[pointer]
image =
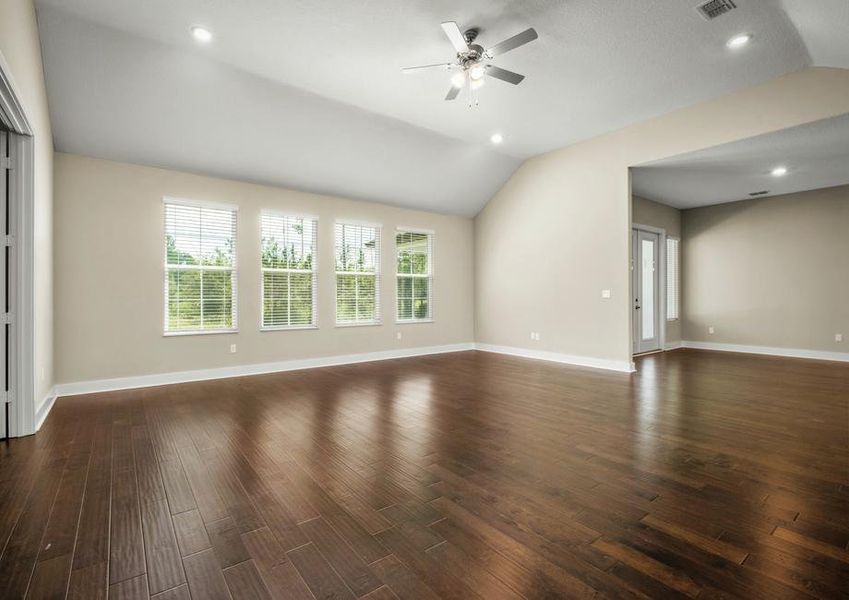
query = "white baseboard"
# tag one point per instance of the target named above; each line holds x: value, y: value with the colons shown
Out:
x: 45, y: 407
x: 769, y: 350
x: 568, y: 359
x: 139, y: 381
x: 673, y: 345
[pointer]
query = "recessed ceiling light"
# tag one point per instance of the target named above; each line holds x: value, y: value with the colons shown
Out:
x: 201, y: 34
x: 496, y: 138
x: 779, y: 171
x: 738, y: 41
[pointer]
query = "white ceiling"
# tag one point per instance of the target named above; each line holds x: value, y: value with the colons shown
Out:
x: 816, y: 156
x: 320, y: 102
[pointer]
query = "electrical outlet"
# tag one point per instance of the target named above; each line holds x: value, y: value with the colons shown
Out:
x: 533, y: 335
x: 232, y: 348
x: 605, y: 294
x: 710, y: 329
x: 838, y: 337
x: 398, y: 335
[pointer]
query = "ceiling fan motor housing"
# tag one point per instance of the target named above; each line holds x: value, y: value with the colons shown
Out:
x: 474, y: 55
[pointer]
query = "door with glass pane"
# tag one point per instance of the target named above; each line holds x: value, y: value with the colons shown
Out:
x: 645, y: 253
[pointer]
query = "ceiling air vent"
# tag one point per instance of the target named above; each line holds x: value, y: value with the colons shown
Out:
x: 713, y: 8
x: 760, y: 193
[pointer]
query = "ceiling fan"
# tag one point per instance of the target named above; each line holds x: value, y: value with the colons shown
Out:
x: 471, y: 63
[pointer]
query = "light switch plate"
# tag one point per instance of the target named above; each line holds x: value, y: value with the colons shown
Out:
x: 605, y: 293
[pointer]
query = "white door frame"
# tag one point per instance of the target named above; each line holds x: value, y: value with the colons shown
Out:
x: 22, y: 194
x: 661, y: 269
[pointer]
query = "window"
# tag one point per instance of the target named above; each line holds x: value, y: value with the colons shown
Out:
x: 288, y: 271
x: 414, y: 258
x: 200, y: 261
x: 357, y: 274
x: 673, y: 281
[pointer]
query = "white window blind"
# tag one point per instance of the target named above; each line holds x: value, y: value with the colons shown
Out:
x: 200, y: 273
x: 357, y: 274
x: 288, y: 271
x: 414, y: 270
x: 673, y: 282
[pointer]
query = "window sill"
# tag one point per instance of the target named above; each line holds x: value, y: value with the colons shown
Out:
x: 671, y: 320
x: 364, y: 324
x: 198, y: 332
x: 290, y: 328
x: 413, y: 321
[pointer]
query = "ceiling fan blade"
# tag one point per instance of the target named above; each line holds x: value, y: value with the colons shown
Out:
x: 452, y: 93
x: 520, y: 39
x: 504, y: 74
x: 455, y: 36
x: 445, y: 66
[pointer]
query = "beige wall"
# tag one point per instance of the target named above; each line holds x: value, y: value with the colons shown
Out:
x: 109, y: 275
x: 21, y: 51
x: 769, y: 272
x: 557, y: 233
x: 649, y: 212
x: 655, y: 214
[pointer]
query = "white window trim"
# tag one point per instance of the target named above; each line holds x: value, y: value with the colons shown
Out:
x: 199, y: 203
x: 666, y: 280
x: 430, y: 275
x: 358, y: 223
x: 233, y: 270
x: 315, y: 265
x: 198, y: 332
x: 288, y: 213
x: 378, y: 320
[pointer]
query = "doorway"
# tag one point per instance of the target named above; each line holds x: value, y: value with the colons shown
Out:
x: 17, y: 256
x: 646, y: 256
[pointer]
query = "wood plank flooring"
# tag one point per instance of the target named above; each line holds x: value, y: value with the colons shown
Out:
x: 467, y: 475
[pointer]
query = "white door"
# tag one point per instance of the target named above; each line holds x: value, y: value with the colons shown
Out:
x: 645, y: 253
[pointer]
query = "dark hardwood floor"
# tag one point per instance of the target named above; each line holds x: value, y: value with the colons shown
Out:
x: 468, y: 475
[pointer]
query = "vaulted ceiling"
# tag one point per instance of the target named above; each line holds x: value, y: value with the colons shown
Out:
x: 309, y: 94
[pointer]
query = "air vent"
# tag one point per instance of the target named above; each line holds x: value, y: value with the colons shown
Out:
x: 714, y: 8
x: 760, y: 193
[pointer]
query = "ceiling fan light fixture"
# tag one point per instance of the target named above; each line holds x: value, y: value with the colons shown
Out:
x: 471, y: 60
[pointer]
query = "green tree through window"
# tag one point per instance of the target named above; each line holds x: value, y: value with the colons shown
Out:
x: 357, y: 274
x: 414, y: 275
x: 200, y: 256
x: 288, y: 275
